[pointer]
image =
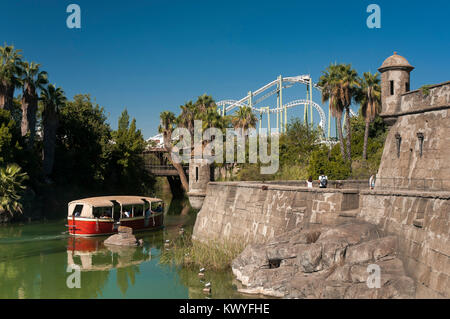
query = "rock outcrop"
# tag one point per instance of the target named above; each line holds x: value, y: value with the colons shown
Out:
x: 324, y: 262
x: 124, y: 237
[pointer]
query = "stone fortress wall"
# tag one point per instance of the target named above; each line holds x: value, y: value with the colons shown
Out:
x: 411, y: 199
x: 417, y: 148
x: 255, y: 212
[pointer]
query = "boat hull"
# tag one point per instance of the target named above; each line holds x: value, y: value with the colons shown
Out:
x: 79, y: 226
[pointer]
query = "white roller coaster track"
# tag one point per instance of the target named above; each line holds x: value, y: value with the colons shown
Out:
x: 322, y: 123
x: 304, y: 79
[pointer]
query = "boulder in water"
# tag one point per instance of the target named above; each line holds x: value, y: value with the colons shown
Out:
x: 124, y: 237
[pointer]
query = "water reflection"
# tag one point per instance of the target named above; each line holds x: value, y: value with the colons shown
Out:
x: 91, y: 254
x: 34, y: 259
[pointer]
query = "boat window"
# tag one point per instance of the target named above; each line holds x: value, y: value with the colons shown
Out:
x: 102, y: 212
x: 96, y: 212
x: 127, y: 211
x: 77, y: 211
x: 138, y: 210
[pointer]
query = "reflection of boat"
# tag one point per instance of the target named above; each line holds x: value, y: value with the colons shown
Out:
x: 89, y: 254
x: 102, y: 215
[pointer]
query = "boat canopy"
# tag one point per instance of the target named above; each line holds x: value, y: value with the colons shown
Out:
x: 85, y: 206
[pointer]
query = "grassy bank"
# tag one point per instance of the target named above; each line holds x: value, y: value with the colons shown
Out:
x: 214, y: 255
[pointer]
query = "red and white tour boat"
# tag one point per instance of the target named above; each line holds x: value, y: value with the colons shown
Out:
x: 103, y: 215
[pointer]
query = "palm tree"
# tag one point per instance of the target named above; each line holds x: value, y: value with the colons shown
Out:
x: 32, y: 80
x: 348, y: 84
x: 11, y: 188
x: 244, y: 119
x: 204, y: 102
x: 166, y: 128
x: 329, y: 82
x: 369, y: 97
x: 10, y: 71
x: 187, y: 116
x: 53, y: 99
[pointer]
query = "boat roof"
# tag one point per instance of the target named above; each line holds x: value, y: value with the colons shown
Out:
x: 107, y: 201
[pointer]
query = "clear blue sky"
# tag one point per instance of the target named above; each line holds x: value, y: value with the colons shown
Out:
x: 151, y: 56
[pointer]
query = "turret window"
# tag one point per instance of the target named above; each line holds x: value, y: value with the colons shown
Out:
x: 392, y: 87
x: 407, y: 87
x: 420, y: 137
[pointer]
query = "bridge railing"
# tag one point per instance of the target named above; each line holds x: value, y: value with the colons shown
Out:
x: 164, y: 170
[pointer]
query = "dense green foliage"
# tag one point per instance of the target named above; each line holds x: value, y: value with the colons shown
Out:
x: 126, y: 162
x: 74, y: 151
x: 303, y: 155
x: 10, y: 140
x: 11, y: 188
x: 82, y: 142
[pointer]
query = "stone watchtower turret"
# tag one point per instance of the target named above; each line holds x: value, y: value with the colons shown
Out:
x: 395, y: 81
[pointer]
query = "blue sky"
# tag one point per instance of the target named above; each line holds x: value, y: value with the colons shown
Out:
x: 150, y: 56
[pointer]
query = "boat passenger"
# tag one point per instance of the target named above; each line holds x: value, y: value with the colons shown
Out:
x: 158, y: 209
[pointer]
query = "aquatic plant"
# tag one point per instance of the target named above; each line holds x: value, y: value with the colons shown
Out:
x: 213, y: 255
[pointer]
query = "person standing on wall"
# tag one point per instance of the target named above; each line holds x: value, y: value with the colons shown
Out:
x: 323, y: 180
x: 372, y: 182
x: 309, y: 182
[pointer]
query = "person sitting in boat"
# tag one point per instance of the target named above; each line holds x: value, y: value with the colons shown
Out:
x: 148, y: 212
x: 127, y: 214
x: 158, y: 209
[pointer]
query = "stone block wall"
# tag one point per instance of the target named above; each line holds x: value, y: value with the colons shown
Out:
x: 256, y: 212
x: 417, y: 165
x: 421, y: 222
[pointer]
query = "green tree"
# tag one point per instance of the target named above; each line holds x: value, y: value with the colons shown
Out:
x: 11, y: 188
x: 348, y: 87
x: 329, y: 162
x: 32, y: 80
x: 53, y: 99
x: 204, y: 102
x: 83, y: 142
x: 189, y: 113
x: 244, y: 119
x: 329, y: 82
x: 10, y: 72
x: 166, y: 127
x: 10, y: 141
x: 298, y: 143
x: 369, y: 97
x: 127, y: 162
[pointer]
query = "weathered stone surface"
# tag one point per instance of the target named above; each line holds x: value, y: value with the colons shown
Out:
x: 335, y: 265
x: 124, y: 237
x: 254, y: 213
